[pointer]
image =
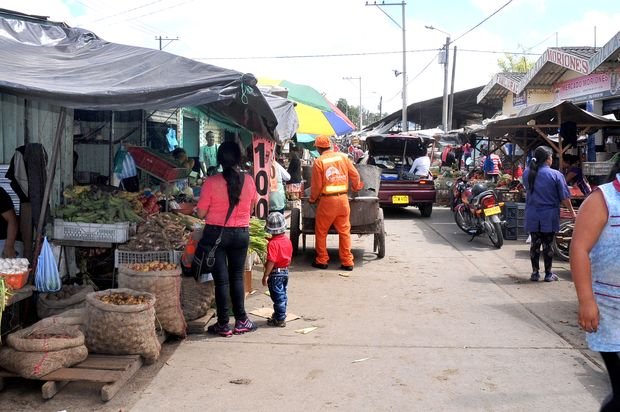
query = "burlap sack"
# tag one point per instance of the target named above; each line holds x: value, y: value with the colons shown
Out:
x: 122, y: 329
x: 196, y: 298
x: 75, y: 317
x: 43, y: 348
x: 59, y: 337
x: 34, y: 365
x: 166, y: 286
x: 48, y: 304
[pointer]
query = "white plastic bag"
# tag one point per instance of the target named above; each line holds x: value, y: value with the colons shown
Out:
x: 47, y: 279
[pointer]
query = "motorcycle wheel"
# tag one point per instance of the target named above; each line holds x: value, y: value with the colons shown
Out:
x: 460, y: 218
x: 561, y: 243
x: 494, y: 230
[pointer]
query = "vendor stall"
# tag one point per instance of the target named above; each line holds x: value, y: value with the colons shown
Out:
x: 69, y: 69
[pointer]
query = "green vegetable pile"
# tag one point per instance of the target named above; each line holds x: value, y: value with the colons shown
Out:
x: 89, y: 204
x: 4, y: 298
x: 258, y: 238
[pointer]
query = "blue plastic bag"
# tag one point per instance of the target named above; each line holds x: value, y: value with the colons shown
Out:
x: 47, y: 279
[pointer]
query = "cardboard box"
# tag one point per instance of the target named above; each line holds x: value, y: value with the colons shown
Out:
x: 247, y: 282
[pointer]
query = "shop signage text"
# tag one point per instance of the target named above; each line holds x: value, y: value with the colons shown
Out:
x: 520, y: 99
x: 569, y: 61
x: 263, y: 164
x: 593, y: 86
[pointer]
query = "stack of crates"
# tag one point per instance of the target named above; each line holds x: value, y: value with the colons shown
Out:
x: 514, y: 214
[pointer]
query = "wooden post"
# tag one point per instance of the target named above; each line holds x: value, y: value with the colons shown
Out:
x: 51, y: 170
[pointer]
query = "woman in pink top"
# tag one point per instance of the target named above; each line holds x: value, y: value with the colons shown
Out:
x: 218, y: 193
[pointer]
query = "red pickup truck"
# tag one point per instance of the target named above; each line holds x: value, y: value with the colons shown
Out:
x: 394, y: 154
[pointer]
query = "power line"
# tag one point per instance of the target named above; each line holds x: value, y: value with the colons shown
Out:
x: 160, y: 10
x: 312, y: 56
x: 127, y: 11
x: 477, y: 25
x: 143, y: 27
x: 415, y: 77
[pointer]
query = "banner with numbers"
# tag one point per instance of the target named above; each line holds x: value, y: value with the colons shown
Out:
x: 263, y: 150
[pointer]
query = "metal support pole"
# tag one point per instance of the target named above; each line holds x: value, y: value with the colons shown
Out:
x: 444, y: 116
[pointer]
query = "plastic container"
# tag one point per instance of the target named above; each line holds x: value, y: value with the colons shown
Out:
x: 91, y: 232
x: 16, y: 281
x: 125, y: 257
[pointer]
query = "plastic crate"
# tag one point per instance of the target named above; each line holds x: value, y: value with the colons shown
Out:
x: 160, y: 167
x: 514, y: 211
x: 91, y: 232
x: 125, y: 257
x: 515, y: 233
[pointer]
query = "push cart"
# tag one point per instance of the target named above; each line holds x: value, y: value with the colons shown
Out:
x: 366, y: 219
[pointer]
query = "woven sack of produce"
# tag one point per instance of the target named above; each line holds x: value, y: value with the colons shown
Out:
x: 75, y: 317
x: 69, y: 297
x: 166, y: 286
x: 41, y: 349
x: 122, y: 322
x: 196, y: 298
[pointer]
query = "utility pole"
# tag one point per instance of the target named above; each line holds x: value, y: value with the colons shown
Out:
x: 451, y: 109
x: 444, y: 113
x: 446, y: 60
x: 380, y: 107
x: 164, y: 39
x: 404, y: 122
x: 361, y: 111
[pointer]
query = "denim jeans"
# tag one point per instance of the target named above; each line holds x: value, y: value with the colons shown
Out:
x: 228, y: 269
x: 277, y: 290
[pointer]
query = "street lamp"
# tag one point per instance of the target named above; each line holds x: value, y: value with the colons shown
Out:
x: 361, y: 112
x: 405, y: 124
x: 444, y: 112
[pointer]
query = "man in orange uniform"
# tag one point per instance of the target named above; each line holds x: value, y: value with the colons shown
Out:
x: 331, y: 174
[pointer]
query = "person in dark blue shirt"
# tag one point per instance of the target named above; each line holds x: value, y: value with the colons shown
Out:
x: 546, y: 189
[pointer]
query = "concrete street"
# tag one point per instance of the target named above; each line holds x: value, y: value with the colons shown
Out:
x: 439, y: 324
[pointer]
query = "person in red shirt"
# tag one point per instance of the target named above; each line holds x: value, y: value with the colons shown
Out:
x: 279, y: 255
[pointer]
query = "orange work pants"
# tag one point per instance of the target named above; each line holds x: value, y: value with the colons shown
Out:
x: 333, y: 210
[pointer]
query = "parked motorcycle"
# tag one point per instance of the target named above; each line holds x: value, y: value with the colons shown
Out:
x: 477, y: 211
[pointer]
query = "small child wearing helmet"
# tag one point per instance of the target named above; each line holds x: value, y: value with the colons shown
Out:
x: 279, y: 255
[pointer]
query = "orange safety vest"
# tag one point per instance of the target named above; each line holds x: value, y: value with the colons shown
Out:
x: 335, y: 173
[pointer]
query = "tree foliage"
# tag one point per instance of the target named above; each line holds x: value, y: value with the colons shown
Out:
x: 512, y: 63
x: 353, y: 112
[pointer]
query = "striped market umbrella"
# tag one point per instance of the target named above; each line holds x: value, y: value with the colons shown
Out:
x: 317, y: 115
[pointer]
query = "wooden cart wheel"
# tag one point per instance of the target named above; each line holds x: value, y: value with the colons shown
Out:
x: 295, y: 229
x: 379, y: 237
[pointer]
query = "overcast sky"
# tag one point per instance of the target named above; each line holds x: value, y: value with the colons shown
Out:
x: 291, y: 39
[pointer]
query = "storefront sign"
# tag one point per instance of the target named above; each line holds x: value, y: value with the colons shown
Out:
x: 507, y: 83
x: 519, y: 99
x: 591, y: 87
x: 574, y: 63
x: 263, y: 164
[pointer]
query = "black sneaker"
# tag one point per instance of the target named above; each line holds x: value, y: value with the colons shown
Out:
x: 243, y: 326
x: 222, y: 330
x: 319, y: 265
x: 276, y: 323
x: 345, y: 267
x: 535, y: 277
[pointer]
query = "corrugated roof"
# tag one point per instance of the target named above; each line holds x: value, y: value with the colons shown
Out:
x: 500, y: 85
x: 555, y: 62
